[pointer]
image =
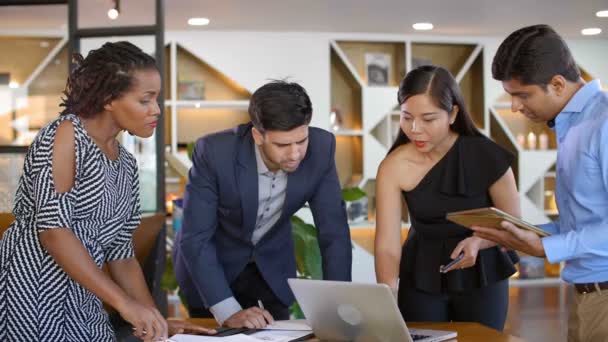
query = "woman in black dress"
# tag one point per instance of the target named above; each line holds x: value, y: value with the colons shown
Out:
x: 441, y: 163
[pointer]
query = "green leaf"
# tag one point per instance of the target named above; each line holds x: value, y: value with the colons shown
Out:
x: 296, y: 311
x: 190, y: 149
x: 168, y: 281
x: 307, y: 252
x: 352, y: 194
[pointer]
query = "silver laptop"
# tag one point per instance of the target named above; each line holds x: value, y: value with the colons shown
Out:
x: 344, y: 311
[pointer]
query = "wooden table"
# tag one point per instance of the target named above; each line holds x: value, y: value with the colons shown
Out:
x: 467, y: 332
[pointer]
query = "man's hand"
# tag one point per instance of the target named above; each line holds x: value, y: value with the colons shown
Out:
x: 252, y: 318
x: 513, y: 238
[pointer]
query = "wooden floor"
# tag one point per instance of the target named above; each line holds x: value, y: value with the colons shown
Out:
x: 539, y: 313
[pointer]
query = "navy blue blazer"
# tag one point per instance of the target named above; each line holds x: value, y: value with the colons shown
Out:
x: 220, y: 207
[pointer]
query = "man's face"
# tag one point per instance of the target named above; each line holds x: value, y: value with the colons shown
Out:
x: 282, y: 150
x: 536, y: 103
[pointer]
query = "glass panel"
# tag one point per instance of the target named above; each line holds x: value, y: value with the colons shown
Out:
x: 36, y: 69
x: 11, y: 167
x: 144, y: 150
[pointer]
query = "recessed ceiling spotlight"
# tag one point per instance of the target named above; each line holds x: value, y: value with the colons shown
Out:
x: 422, y: 26
x: 13, y: 85
x: 602, y: 14
x: 113, y: 13
x: 198, y: 21
x: 592, y: 31
x: 115, y: 10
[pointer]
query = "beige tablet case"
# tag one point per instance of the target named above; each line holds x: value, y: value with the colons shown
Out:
x: 491, y: 218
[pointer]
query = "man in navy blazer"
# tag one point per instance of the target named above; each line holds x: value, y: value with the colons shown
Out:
x: 235, y: 248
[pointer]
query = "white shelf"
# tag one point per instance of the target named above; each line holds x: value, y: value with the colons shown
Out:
x: 538, y: 151
x: 180, y: 162
x: 236, y: 104
x: 502, y: 105
x: 348, y: 132
x: 547, y: 281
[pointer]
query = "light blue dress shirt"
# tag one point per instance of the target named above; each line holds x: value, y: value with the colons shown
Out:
x: 580, y: 234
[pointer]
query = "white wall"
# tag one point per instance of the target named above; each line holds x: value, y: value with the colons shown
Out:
x: 251, y: 58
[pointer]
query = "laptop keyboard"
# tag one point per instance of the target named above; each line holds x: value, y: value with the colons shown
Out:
x: 419, y: 337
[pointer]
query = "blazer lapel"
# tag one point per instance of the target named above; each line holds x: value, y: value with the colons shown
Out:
x: 248, y: 183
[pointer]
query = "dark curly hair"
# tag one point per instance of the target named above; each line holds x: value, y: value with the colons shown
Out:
x: 103, y: 76
x: 280, y: 106
x: 533, y: 55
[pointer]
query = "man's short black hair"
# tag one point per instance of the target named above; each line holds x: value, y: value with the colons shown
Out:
x: 280, y: 106
x: 533, y: 55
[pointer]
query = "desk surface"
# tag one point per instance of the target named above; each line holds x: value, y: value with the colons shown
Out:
x: 468, y: 332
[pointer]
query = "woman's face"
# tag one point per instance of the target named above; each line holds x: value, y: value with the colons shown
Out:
x: 137, y: 110
x: 425, y: 124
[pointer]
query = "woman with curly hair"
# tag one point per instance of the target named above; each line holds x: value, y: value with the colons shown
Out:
x: 77, y: 206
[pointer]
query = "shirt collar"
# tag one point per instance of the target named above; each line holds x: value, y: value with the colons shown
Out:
x: 262, y: 168
x: 582, y: 96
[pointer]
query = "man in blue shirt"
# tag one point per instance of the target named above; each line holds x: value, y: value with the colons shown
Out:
x: 536, y: 67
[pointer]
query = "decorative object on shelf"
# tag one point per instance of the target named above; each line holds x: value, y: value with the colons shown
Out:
x: 335, y: 119
x: 550, y: 204
x: 178, y: 213
x: 531, y: 267
x: 543, y: 141
x: 521, y: 140
x: 418, y: 62
x: 191, y: 89
x: 552, y: 270
x: 377, y: 68
x: 357, y: 204
x: 531, y: 141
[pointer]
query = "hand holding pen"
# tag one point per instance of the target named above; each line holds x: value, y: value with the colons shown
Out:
x: 254, y: 317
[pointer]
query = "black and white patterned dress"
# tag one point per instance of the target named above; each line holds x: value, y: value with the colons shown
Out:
x: 38, y: 300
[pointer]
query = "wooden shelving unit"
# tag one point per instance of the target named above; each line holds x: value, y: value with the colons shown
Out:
x: 370, y: 112
x: 222, y: 104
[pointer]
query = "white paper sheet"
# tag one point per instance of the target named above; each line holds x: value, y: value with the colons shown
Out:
x: 203, y: 338
x: 293, y: 324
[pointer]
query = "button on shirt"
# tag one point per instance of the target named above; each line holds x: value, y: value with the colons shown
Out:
x: 580, y: 234
x: 272, y: 188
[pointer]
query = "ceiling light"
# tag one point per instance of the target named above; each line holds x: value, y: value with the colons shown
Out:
x: 13, y: 85
x: 422, y: 26
x: 115, y: 10
x: 601, y: 14
x: 592, y: 31
x: 198, y: 21
x: 113, y: 13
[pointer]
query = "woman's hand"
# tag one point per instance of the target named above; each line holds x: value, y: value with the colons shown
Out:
x: 148, y: 324
x: 183, y: 327
x: 470, y: 247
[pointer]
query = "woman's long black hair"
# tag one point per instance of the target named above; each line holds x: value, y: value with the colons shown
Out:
x: 443, y: 90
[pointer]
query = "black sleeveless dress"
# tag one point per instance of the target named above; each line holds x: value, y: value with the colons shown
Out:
x: 459, y: 181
